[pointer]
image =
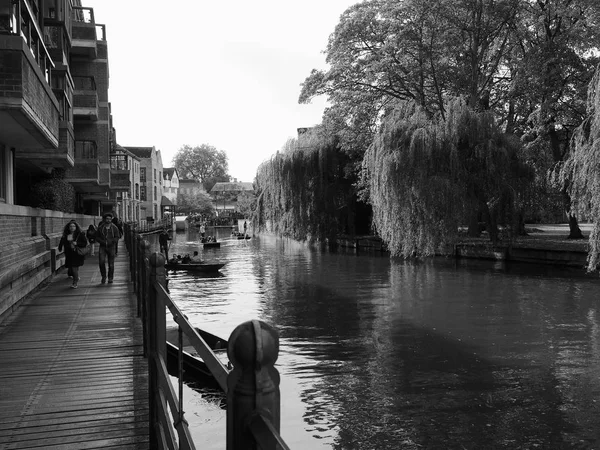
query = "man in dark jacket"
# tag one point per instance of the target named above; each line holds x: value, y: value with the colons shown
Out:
x: 163, y: 240
x: 108, y: 237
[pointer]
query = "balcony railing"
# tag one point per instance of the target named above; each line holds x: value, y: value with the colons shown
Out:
x: 84, y: 32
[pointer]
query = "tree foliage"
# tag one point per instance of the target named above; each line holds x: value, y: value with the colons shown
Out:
x: 427, y: 173
x: 198, y: 203
x: 201, y: 163
x: 580, y: 173
x: 302, y: 191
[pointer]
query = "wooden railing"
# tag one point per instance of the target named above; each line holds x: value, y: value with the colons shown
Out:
x: 252, y: 386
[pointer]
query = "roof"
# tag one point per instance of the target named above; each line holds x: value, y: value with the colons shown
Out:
x: 120, y: 149
x: 142, y: 152
x: 232, y: 187
x: 164, y: 201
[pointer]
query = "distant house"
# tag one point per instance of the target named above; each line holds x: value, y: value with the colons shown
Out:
x: 170, y: 189
x: 190, y: 187
x: 225, y: 195
x: 151, y: 181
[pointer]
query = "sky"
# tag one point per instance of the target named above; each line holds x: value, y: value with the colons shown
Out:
x: 223, y: 73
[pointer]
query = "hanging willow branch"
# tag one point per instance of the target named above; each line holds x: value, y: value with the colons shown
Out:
x: 580, y: 173
x: 427, y: 176
x: 302, y: 192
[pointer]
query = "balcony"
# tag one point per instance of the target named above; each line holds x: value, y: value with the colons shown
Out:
x: 84, y: 33
x: 85, y: 104
x: 119, y: 181
x: 29, y: 112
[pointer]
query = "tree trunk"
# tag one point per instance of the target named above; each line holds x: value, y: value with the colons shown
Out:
x: 574, y: 230
x: 473, y: 230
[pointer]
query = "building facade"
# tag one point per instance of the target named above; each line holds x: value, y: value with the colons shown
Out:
x: 125, y: 170
x: 55, y: 119
x: 55, y: 126
x: 225, y: 196
x: 151, y: 182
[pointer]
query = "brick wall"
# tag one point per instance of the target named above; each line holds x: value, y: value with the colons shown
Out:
x: 28, y: 250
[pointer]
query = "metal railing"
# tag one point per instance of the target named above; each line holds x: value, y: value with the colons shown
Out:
x: 252, y: 386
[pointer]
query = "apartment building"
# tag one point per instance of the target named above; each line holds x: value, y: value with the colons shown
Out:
x: 125, y: 174
x: 151, y: 181
x: 55, y: 115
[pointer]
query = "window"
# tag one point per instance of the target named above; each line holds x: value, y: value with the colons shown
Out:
x: 143, y: 174
x: 155, y: 175
x: 118, y: 162
x: 86, y: 150
x: 143, y: 193
x: 155, y: 197
x: 137, y: 191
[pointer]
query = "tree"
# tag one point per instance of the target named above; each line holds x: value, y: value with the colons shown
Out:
x: 554, y: 63
x: 246, y: 203
x: 426, y: 175
x: 580, y: 173
x: 199, y: 203
x: 201, y: 163
x: 383, y: 51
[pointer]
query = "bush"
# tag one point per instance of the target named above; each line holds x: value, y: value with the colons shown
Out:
x: 54, y: 194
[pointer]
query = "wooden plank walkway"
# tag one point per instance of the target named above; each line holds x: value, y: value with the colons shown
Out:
x: 72, y: 371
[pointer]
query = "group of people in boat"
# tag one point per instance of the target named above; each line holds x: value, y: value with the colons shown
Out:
x: 186, y: 259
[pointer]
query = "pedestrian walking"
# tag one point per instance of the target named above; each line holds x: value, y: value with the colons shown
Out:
x: 73, y: 238
x: 245, y: 227
x: 107, y: 236
x: 163, y: 241
x: 90, y: 234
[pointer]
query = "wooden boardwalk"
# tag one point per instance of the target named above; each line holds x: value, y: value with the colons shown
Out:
x: 72, y: 371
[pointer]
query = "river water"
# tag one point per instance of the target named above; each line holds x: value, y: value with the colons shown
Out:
x: 386, y: 354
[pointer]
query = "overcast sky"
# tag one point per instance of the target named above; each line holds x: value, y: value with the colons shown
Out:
x: 224, y: 73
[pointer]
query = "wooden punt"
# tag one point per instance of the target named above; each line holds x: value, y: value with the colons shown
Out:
x: 193, y: 365
x: 195, y: 267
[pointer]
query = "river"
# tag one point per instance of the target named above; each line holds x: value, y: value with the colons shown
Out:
x: 381, y: 354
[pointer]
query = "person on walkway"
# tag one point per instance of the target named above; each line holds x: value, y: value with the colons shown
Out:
x: 202, y: 231
x: 90, y: 234
x: 108, y: 237
x: 119, y: 224
x: 245, y: 227
x: 163, y: 241
x: 73, y: 237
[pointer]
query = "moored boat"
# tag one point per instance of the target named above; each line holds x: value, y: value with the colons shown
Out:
x: 195, y: 267
x: 193, y: 365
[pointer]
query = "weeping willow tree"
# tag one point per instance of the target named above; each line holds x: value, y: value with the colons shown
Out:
x: 427, y: 176
x: 302, y: 191
x: 580, y: 173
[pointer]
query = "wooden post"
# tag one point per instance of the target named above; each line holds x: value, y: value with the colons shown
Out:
x: 157, y: 347
x: 253, y: 384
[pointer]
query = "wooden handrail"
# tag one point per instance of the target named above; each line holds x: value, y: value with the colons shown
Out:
x: 252, y: 387
x: 216, y: 367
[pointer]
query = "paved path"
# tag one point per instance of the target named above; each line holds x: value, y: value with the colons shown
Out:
x: 72, y: 373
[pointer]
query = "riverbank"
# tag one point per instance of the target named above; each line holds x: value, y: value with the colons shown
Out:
x: 544, y: 244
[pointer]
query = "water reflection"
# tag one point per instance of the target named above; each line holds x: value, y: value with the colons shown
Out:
x: 377, y: 353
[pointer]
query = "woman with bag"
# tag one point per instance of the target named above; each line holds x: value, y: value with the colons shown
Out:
x: 75, y: 244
